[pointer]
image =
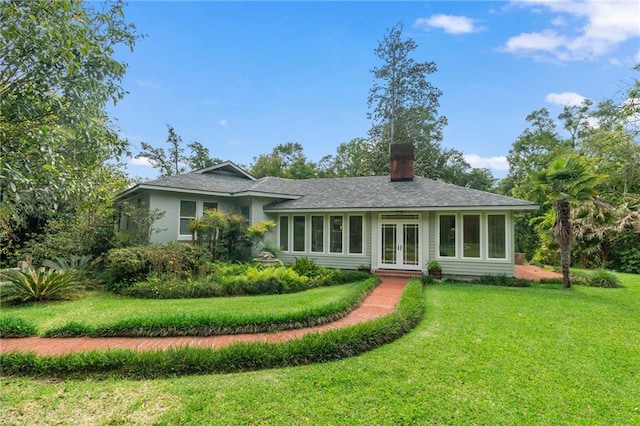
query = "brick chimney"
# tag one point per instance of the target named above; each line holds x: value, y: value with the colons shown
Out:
x: 401, y: 155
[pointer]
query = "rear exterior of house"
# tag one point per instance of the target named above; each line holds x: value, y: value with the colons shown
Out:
x: 400, y: 222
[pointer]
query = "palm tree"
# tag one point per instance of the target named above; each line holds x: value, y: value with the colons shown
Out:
x: 567, y: 179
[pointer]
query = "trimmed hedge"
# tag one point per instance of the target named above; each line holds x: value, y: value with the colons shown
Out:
x: 16, y: 327
x: 312, y: 348
x: 214, y: 325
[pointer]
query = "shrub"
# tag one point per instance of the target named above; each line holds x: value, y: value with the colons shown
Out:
x: 16, y: 327
x: 126, y: 266
x: 603, y: 278
x: 503, y: 280
x: 41, y: 284
x: 343, y: 277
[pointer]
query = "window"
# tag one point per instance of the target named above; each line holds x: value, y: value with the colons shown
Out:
x: 447, y: 235
x: 496, y: 224
x: 471, y: 235
x: 317, y: 234
x: 284, y: 233
x: 335, y: 234
x: 355, y: 234
x: 187, y: 214
x: 245, y: 211
x: 298, y: 233
x: 209, y: 206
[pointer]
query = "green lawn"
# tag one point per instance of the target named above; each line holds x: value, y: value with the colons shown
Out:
x: 481, y: 355
x: 100, y: 308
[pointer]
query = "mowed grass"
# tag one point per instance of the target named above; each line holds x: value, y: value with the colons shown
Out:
x: 481, y: 355
x: 100, y: 308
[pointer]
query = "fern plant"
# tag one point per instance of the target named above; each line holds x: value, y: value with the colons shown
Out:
x: 40, y: 284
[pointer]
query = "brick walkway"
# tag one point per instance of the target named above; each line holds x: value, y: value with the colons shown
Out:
x: 381, y: 301
x: 530, y: 272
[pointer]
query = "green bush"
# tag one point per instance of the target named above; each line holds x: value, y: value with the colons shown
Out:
x: 35, y: 285
x: 312, y: 348
x: 602, y: 278
x: 126, y: 266
x: 16, y: 327
x: 503, y: 280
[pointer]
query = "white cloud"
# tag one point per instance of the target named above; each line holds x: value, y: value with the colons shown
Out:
x: 597, y: 27
x: 224, y: 123
x: 140, y: 161
x: 449, y: 23
x: 494, y: 163
x: 146, y: 83
x: 565, y: 98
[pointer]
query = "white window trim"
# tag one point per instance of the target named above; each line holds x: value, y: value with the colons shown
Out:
x: 484, y: 236
x: 180, y: 217
x: 336, y: 253
x: 481, y: 245
x: 362, y: 231
x: 324, y: 233
x: 456, y: 240
x: 507, y: 237
x: 288, y: 233
x: 304, y: 234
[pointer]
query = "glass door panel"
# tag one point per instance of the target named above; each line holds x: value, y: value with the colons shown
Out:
x: 410, y: 247
x: 389, y: 243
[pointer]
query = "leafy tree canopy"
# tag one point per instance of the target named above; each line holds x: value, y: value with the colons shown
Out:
x: 57, y: 73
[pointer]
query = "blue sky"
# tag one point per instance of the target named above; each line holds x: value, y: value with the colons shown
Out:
x: 242, y: 77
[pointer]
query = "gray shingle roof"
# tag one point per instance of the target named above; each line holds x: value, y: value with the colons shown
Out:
x: 378, y: 192
x: 373, y: 192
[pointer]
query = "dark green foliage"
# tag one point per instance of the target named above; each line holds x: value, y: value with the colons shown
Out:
x: 312, y: 348
x: 307, y: 267
x: 625, y: 255
x: 229, y: 279
x: 126, y: 266
x: 602, y: 278
x: 36, y: 285
x: 343, y: 277
x: 427, y: 279
x: 213, y: 325
x: 503, y: 280
x: 16, y: 327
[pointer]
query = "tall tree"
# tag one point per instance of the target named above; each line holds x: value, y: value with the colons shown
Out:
x: 57, y: 74
x: 172, y: 162
x: 568, y: 179
x: 401, y: 92
x: 200, y: 156
x: 285, y: 160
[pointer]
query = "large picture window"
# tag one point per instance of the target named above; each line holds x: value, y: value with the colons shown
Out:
x: 284, y: 233
x: 187, y: 214
x: 298, y: 233
x: 335, y: 234
x: 355, y: 234
x: 447, y: 235
x: 496, y: 224
x: 471, y: 235
x: 317, y: 234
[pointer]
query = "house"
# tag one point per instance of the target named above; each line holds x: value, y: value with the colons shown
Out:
x: 399, y: 222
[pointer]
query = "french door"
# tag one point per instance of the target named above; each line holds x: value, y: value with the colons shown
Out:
x: 400, y: 245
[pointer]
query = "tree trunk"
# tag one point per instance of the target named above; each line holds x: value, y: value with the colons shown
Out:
x: 561, y: 231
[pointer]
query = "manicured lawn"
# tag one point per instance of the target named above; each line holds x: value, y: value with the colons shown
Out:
x: 100, y: 308
x: 481, y: 355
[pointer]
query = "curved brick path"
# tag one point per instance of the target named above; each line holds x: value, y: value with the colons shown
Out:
x: 381, y: 301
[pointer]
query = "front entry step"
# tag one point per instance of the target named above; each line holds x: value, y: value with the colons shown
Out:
x: 397, y: 273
